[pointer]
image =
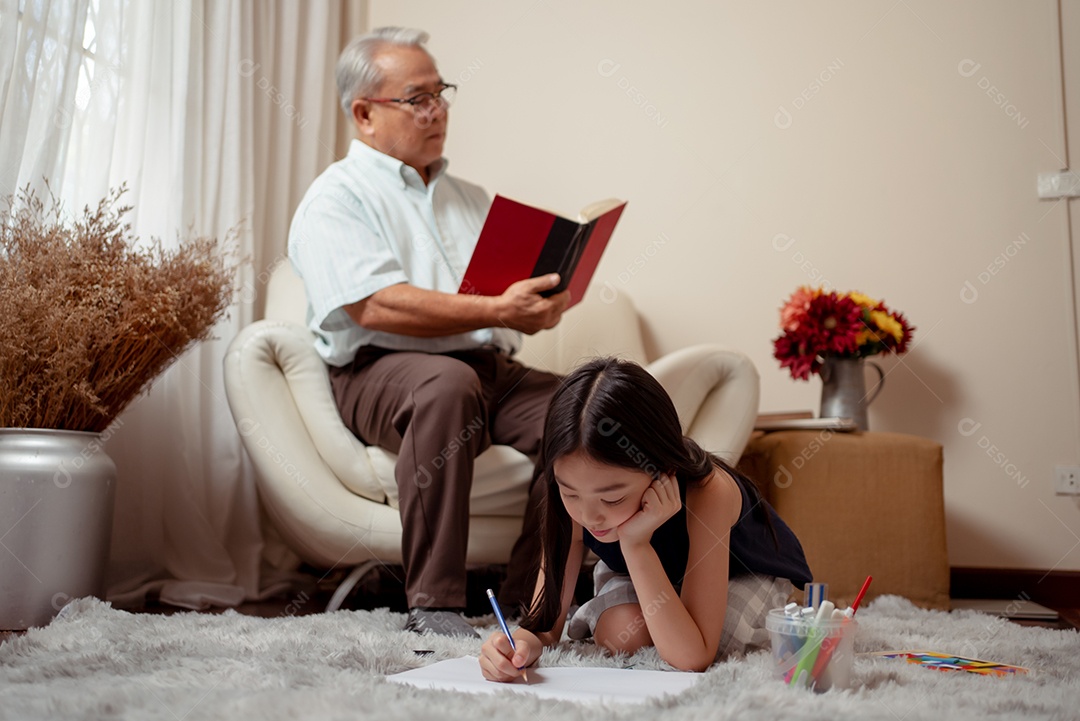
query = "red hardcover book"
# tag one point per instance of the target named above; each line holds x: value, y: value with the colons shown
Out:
x: 519, y: 241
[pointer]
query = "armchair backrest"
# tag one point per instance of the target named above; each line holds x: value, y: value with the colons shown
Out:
x: 285, y: 297
x: 604, y: 323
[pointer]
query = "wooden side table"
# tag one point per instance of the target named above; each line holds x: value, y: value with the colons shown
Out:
x: 861, y: 504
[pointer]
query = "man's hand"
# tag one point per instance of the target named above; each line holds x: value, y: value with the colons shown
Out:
x: 522, y: 307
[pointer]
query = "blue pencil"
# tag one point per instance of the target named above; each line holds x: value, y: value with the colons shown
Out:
x: 505, y: 628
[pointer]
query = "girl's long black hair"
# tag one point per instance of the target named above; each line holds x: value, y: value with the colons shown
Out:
x: 619, y: 415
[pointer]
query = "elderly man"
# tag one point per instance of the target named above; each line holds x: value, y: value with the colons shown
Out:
x: 382, y: 239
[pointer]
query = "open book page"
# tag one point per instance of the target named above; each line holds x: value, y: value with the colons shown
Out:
x: 593, y: 211
x: 585, y: 684
x: 589, y: 213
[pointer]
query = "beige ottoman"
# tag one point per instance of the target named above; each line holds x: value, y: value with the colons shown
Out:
x: 861, y: 504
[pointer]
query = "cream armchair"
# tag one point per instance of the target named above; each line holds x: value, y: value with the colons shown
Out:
x: 331, y: 501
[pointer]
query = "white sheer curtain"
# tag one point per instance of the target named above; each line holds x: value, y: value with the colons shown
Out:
x: 217, y: 114
x: 41, y: 50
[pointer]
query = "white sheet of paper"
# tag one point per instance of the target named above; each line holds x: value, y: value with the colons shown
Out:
x: 571, y: 683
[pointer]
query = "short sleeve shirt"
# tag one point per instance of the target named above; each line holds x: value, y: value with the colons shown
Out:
x: 369, y: 222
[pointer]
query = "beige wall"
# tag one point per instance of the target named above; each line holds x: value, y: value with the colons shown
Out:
x: 767, y: 145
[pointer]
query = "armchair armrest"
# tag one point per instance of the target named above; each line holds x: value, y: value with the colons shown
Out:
x: 715, y: 390
x: 278, y: 389
x: 263, y: 357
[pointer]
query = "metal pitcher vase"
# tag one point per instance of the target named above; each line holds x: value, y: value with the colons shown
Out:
x: 843, y: 389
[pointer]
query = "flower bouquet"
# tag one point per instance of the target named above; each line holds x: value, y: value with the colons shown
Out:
x: 820, y: 324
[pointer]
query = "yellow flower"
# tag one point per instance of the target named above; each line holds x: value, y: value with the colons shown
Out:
x: 887, y: 324
x: 864, y: 300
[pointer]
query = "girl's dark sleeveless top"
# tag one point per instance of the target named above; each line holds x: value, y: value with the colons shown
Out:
x: 753, y: 546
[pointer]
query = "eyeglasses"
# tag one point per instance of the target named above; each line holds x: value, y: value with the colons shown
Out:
x: 424, y: 102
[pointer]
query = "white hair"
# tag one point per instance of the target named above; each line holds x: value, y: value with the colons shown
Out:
x: 357, y: 74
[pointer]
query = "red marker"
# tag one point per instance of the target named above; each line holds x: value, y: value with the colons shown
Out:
x: 862, y: 592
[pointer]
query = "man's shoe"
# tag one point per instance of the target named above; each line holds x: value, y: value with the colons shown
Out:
x: 440, y: 623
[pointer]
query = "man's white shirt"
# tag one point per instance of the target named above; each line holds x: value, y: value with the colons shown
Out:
x: 369, y: 222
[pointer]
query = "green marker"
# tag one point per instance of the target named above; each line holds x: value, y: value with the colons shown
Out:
x: 800, y: 675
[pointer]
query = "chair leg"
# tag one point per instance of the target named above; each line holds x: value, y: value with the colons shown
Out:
x: 349, y: 583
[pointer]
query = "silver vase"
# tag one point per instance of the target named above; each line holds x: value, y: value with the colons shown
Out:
x: 843, y: 389
x: 56, y: 507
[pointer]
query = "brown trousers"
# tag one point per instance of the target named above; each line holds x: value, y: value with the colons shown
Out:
x: 437, y: 412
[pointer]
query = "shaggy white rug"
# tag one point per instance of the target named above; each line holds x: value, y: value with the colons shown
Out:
x: 95, y: 662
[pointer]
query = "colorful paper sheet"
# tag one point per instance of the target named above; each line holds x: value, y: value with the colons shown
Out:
x: 950, y: 662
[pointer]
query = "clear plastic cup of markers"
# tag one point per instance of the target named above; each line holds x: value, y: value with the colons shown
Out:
x: 812, y: 654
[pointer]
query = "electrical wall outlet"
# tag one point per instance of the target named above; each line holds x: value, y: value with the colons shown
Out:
x: 1067, y: 480
x: 1060, y: 184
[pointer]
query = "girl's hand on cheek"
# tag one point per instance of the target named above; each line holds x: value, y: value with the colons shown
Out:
x: 660, y: 502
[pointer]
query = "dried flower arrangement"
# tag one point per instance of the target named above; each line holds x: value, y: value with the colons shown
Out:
x: 87, y: 318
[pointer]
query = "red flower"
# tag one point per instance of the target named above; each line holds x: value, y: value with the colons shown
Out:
x: 832, y: 322
x: 909, y: 329
x: 793, y: 354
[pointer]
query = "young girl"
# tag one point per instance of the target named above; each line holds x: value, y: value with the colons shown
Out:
x: 691, y: 557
